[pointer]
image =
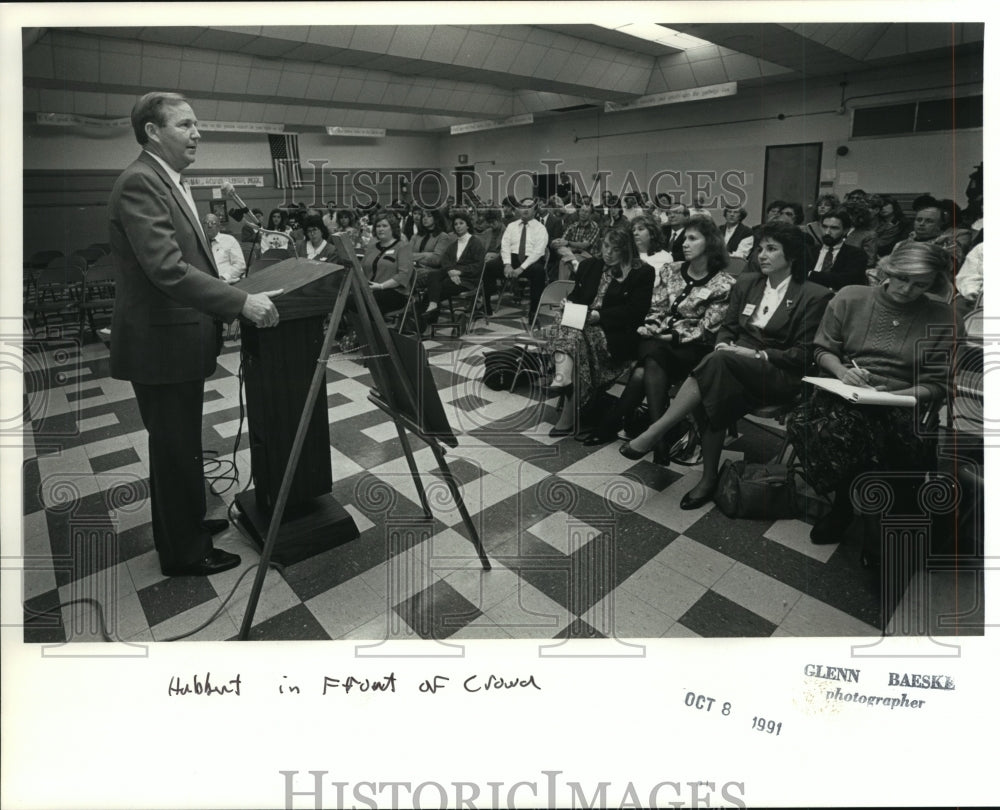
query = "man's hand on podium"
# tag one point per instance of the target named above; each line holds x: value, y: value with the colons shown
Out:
x: 260, y: 310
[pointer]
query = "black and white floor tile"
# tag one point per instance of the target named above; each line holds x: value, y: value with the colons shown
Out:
x: 583, y: 542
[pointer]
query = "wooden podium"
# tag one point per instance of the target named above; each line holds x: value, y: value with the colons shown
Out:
x: 278, y: 366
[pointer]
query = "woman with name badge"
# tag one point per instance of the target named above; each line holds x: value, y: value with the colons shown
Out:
x: 762, y: 351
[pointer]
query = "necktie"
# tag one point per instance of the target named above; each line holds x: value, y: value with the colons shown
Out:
x: 522, y: 249
x: 827, y: 260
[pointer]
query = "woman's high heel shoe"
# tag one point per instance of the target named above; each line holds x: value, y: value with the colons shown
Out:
x: 627, y: 451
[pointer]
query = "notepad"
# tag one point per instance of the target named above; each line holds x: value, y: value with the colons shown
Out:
x: 862, y: 396
x: 574, y: 315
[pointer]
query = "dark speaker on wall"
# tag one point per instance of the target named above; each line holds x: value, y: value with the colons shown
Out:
x: 842, y: 150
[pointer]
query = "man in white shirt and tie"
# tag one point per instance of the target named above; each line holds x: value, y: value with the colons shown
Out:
x: 838, y: 264
x: 226, y: 250
x: 522, y: 252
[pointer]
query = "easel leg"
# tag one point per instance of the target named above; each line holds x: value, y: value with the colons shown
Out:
x: 413, y: 470
x: 453, y: 486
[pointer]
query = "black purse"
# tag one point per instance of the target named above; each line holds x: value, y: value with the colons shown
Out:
x: 756, y: 491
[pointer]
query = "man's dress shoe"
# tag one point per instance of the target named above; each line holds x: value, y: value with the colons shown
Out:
x: 215, y: 525
x: 215, y: 562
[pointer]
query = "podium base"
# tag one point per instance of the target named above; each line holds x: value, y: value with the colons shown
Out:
x: 307, y: 529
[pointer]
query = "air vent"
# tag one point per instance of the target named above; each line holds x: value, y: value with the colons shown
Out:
x: 918, y: 116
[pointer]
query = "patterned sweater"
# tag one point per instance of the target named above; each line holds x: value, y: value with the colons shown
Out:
x: 900, y: 344
x: 685, y: 309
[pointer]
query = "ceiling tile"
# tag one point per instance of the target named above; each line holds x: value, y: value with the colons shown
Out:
x: 200, y: 55
x: 740, y: 66
x: 501, y: 56
x: 551, y: 63
x: 171, y: 34
x: 319, y: 88
x: 268, y: 47
x: 474, y: 48
x: 161, y: 73
x: 161, y: 51
x: 116, y: 65
x: 37, y: 62
x: 348, y: 89
x: 263, y: 82
x: 336, y: 36
x: 409, y: 41
x: 232, y: 80
x: 444, y: 44
x: 196, y: 75
x: 678, y: 76
x: 418, y: 95
x: 698, y: 54
x: 927, y: 36
x: 237, y: 60
x: 294, y: 115
x: 374, y: 38
x: 372, y: 92
x: 528, y: 59
x: 709, y: 72
x: 114, y: 44
x: 395, y: 95
x: 316, y: 116
x: 292, y: 84
x: 656, y: 84
x: 218, y: 40
x: 892, y: 43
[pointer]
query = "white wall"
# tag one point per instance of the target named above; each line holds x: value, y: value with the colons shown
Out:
x: 674, y: 137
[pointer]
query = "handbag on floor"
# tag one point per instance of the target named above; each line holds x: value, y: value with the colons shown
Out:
x: 500, y: 366
x: 752, y: 490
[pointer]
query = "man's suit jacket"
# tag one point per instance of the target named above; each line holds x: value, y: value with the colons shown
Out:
x: 675, y: 246
x: 788, y: 336
x: 849, y: 267
x: 169, y: 300
x: 742, y: 232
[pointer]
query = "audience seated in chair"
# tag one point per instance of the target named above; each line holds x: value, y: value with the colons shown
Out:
x: 690, y: 300
x: 316, y: 245
x: 461, y: 266
x: 761, y: 353
x: 882, y: 338
x: 616, y: 289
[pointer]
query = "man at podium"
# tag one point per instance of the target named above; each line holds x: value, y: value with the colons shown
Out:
x: 167, y: 325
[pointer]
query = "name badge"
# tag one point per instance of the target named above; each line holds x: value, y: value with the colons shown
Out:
x: 748, y: 309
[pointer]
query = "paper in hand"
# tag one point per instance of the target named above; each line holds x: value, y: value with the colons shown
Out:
x: 574, y: 315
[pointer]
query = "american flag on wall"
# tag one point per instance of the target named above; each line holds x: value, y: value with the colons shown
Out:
x: 285, y: 159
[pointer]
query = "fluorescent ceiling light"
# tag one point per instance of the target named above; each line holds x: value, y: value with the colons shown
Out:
x: 651, y: 32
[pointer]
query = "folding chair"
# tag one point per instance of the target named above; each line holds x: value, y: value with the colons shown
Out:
x: 476, y: 307
x: 58, y: 289
x: 35, y: 262
x: 409, y: 307
x: 536, y: 339
x: 98, y: 293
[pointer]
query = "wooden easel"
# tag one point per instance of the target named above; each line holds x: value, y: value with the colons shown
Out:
x: 413, y: 408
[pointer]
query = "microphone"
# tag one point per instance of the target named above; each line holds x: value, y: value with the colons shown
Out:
x: 229, y: 191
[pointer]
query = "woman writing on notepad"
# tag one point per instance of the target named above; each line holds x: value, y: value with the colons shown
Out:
x: 893, y: 338
x: 616, y: 290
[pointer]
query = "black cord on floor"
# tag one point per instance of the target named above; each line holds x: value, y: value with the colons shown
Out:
x: 106, y: 636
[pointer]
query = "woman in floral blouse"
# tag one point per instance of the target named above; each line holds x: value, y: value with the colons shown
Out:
x: 689, y: 304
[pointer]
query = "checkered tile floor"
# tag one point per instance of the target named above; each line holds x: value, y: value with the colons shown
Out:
x: 583, y: 542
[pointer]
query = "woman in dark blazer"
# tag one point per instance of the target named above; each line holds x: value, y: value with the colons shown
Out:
x: 762, y: 351
x: 457, y: 273
x: 617, y: 290
x: 316, y: 245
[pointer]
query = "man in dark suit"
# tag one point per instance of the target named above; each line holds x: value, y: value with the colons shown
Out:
x: 167, y: 325
x: 838, y: 264
x: 677, y: 220
x: 739, y: 238
x: 554, y: 226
